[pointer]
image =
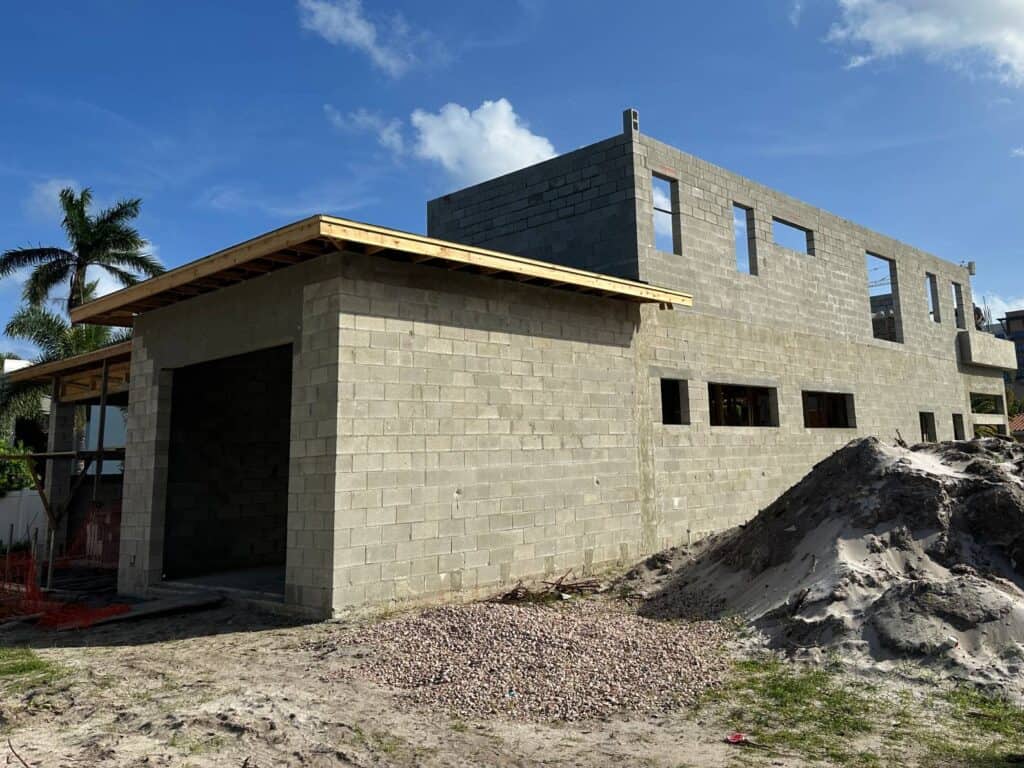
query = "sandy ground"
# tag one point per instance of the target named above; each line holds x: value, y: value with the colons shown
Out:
x: 237, y: 687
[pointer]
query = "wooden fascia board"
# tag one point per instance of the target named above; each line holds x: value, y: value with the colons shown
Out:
x: 286, y: 237
x: 69, y: 365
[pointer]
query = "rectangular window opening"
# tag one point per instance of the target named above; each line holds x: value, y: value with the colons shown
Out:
x: 931, y: 292
x: 987, y: 404
x: 737, y: 405
x: 928, y: 427
x: 793, y: 236
x: 958, y: 427
x: 883, y: 294
x: 828, y: 410
x: 958, y: 306
x: 675, y: 401
x: 743, y: 234
x: 665, y: 199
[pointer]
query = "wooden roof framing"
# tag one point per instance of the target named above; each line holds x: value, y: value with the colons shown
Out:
x: 320, y: 235
x: 80, y: 378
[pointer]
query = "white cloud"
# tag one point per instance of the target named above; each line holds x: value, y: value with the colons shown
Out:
x: 391, y: 46
x: 796, y: 10
x: 388, y: 132
x: 43, y: 201
x: 474, y: 146
x: 1017, y: 152
x: 959, y: 32
x: 327, y: 198
x: 999, y: 305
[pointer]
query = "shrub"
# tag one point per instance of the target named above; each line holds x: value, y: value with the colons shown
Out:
x: 14, y: 474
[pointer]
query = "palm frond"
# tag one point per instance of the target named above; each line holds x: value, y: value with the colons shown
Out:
x: 143, y: 265
x: 76, y: 221
x: 20, y: 258
x: 41, y: 327
x: 119, y: 213
x: 44, y: 279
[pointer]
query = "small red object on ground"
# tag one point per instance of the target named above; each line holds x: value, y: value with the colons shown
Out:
x: 737, y: 738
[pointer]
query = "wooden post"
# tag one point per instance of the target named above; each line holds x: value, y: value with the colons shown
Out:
x: 7, y: 559
x: 100, y: 433
x: 49, y: 560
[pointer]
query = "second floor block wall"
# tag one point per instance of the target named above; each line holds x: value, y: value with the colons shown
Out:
x: 595, y: 208
x: 820, y: 281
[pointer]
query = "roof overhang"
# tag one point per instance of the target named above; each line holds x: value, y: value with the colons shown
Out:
x: 322, y: 235
x: 80, y: 378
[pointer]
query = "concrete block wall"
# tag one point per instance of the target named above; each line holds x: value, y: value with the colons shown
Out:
x: 486, y: 432
x: 296, y: 307
x: 801, y: 323
x: 577, y: 209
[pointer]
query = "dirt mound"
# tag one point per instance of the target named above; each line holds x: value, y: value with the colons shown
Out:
x: 883, y: 553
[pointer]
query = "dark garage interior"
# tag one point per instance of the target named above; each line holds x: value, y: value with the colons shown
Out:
x: 227, y: 483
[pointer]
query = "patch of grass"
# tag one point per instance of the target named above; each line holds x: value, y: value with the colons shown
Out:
x: 800, y: 711
x: 22, y: 669
x: 197, y: 745
x: 981, y: 731
x: 459, y: 727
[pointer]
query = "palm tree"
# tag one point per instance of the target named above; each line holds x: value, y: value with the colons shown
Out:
x: 106, y: 240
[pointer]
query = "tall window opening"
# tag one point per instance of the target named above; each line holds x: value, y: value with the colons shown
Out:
x: 958, y: 306
x: 675, y: 401
x: 743, y: 234
x: 665, y: 198
x: 883, y: 294
x: 928, y: 427
x: 931, y: 292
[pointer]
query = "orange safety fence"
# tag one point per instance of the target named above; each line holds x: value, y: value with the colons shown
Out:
x: 94, y: 544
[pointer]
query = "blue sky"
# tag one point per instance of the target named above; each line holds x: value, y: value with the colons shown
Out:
x: 231, y: 118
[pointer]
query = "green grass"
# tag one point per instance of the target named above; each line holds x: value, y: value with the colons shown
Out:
x: 800, y: 711
x: 22, y: 669
x: 981, y: 731
x: 824, y: 717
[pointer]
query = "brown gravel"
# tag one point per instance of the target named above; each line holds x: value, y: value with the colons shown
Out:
x: 578, y: 660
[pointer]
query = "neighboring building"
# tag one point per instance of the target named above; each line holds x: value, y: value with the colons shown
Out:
x: 351, y: 414
x: 1017, y: 427
x: 9, y: 365
x: 1013, y: 325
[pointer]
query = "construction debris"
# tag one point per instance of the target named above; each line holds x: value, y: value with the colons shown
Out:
x: 885, y: 554
x: 560, y: 589
x: 576, y: 660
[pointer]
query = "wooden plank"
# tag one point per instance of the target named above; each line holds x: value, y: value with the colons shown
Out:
x: 293, y: 234
x: 44, y: 371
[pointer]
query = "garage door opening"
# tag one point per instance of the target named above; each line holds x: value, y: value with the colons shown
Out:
x: 227, y: 476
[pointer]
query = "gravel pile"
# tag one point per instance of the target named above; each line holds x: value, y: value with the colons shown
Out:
x: 577, y: 661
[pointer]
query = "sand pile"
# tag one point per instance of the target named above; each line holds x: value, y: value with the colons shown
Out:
x: 883, y: 553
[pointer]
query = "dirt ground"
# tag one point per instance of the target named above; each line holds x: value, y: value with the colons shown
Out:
x: 233, y: 686
x: 236, y: 687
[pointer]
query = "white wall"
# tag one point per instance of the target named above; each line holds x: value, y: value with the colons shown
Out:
x: 23, y: 509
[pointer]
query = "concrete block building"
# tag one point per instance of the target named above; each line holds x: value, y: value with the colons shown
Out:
x: 615, y: 350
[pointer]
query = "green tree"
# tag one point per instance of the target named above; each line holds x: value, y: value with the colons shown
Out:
x: 105, y: 240
x: 14, y: 474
